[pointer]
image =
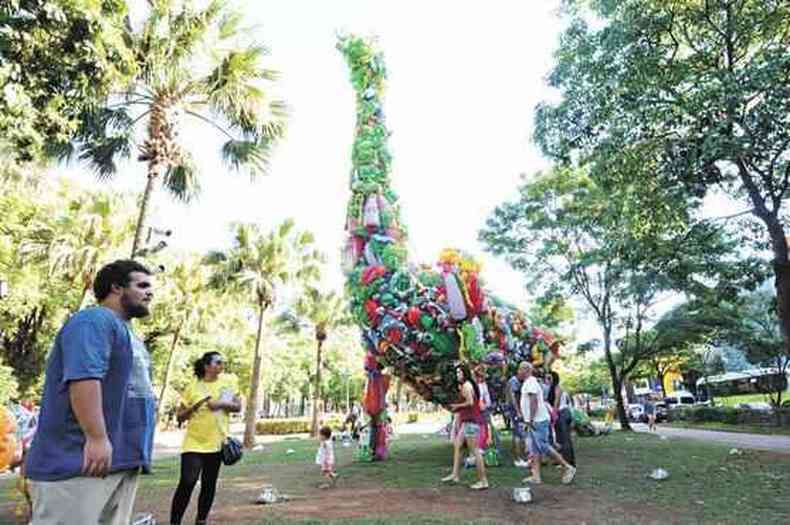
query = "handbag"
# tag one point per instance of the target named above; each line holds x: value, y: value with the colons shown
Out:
x: 231, y: 450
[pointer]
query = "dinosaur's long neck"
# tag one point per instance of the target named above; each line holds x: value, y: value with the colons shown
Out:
x: 373, y: 211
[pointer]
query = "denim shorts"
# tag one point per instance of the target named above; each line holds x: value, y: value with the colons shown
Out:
x: 471, y: 430
x: 539, y: 438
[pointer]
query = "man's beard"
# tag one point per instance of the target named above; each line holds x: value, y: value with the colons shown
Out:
x: 134, y: 311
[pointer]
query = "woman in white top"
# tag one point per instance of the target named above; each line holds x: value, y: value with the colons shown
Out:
x: 561, y: 402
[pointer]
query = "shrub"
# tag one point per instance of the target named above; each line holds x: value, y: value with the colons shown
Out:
x: 282, y: 426
x: 598, y: 413
x: 680, y: 414
x: 404, y: 417
x: 296, y: 425
x: 703, y: 414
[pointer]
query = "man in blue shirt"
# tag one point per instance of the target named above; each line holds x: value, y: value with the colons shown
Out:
x: 95, y: 430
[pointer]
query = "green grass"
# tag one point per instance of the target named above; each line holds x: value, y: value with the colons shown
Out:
x: 732, y: 401
x: 705, y: 485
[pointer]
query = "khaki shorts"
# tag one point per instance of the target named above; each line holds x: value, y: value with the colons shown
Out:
x: 85, y: 501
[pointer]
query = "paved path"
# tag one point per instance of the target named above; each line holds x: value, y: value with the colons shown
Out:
x: 735, y: 439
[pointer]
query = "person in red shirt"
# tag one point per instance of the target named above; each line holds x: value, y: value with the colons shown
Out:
x: 469, y: 417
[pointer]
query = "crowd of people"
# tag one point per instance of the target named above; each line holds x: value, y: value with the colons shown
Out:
x: 96, y: 421
x: 538, y: 411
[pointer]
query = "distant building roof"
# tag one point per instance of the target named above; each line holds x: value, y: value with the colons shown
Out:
x: 734, y: 376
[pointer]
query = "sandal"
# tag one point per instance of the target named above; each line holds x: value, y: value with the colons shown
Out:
x: 450, y: 479
x: 480, y: 485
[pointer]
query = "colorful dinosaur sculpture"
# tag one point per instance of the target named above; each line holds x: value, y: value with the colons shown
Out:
x: 417, y: 321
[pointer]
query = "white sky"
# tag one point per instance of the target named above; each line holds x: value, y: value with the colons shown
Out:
x: 464, y: 78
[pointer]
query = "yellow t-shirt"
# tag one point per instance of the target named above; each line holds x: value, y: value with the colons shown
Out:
x: 203, y: 428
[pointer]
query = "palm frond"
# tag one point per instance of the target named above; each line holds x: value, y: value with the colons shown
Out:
x: 252, y: 156
x: 190, y: 28
x: 102, y: 153
x: 236, y: 92
x: 230, y: 25
x: 106, y: 135
x: 182, y: 180
x: 60, y: 151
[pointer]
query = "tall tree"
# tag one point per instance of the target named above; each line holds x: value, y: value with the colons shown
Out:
x: 701, y: 90
x: 619, y: 250
x: 195, y: 67
x: 58, y: 60
x: 256, y: 267
x: 323, y: 313
x: 188, y: 303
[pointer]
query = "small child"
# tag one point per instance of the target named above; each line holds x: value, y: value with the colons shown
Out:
x: 326, y: 456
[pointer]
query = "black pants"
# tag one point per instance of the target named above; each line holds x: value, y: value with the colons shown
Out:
x: 194, y: 464
x: 563, y: 429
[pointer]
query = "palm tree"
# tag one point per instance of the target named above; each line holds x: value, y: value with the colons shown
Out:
x: 91, y: 230
x: 323, y: 313
x: 257, y: 266
x: 193, y: 69
x: 189, y: 303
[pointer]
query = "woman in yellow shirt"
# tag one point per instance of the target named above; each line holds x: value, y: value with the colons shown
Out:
x: 205, y: 405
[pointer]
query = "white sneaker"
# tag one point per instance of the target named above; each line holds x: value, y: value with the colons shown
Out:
x: 520, y: 463
x: 568, y: 476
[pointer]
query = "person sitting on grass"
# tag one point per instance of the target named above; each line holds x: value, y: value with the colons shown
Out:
x: 326, y: 456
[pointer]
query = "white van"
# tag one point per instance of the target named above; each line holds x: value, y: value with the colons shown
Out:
x: 680, y: 399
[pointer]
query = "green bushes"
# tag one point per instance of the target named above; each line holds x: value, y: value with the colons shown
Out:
x: 301, y: 425
x: 295, y: 425
x: 728, y: 415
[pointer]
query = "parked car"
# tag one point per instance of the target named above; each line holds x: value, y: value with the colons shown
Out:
x: 661, y: 411
x: 636, y: 412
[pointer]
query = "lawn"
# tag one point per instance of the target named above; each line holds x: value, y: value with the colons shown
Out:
x: 732, y: 401
x: 706, y: 484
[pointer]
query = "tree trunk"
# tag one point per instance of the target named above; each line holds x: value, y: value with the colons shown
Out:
x: 168, y: 368
x: 153, y: 173
x: 348, y: 395
x: 782, y: 284
x: 252, y: 403
x: 317, y: 389
x: 617, y: 381
x: 87, y: 283
x: 660, y: 376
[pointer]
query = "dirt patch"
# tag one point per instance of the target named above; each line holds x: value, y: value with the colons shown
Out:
x: 553, y: 504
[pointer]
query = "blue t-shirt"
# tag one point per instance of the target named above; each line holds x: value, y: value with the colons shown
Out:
x: 94, y: 344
